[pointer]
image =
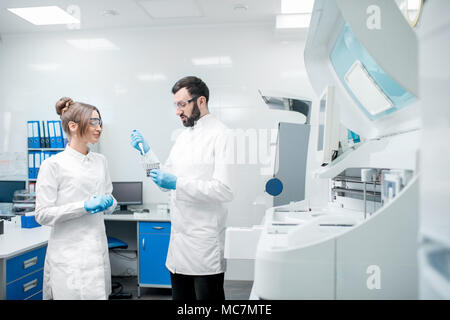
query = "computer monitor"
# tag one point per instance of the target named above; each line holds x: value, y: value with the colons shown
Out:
x: 7, y: 189
x: 127, y: 193
x: 328, y: 127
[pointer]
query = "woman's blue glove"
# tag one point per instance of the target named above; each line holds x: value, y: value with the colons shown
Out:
x: 136, y: 138
x: 164, y: 179
x: 98, y: 203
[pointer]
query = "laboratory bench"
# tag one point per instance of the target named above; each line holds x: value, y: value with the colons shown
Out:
x: 22, y: 256
x: 22, y: 252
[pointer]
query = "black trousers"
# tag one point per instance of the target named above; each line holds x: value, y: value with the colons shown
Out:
x: 191, y: 288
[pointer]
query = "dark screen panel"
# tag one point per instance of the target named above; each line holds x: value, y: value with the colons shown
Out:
x: 127, y: 192
x: 7, y: 189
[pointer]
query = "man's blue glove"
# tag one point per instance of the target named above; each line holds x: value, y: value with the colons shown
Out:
x: 164, y: 179
x: 136, y: 138
x: 98, y: 203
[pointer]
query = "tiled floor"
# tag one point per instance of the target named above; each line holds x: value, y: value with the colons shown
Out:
x: 234, y: 290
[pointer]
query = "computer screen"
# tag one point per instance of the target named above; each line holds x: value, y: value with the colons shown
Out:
x: 127, y: 193
x: 328, y: 127
x: 7, y: 189
x: 322, y: 109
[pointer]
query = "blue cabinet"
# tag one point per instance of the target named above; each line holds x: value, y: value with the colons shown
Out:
x: 25, y: 287
x: 153, y: 246
x: 25, y: 263
x: 23, y: 275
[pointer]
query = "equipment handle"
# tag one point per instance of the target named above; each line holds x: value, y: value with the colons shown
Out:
x: 30, y: 262
x: 30, y: 285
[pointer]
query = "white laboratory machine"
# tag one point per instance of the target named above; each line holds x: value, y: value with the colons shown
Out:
x: 434, y: 81
x: 356, y: 234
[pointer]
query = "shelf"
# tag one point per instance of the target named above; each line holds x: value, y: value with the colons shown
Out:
x: 356, y: 191
x: 384, y: 153
x: 354, y: 180
x: 360, y: 158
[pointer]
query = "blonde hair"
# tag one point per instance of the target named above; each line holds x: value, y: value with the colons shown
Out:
x: 78, y: 112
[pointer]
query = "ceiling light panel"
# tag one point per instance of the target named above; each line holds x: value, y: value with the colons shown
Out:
x: 224, y: 61
x: 151, y: 77
x: 292, y: 21
x: 94, y: 44
x: 296, y: 6
x: 45, y: 66
x: 161, y: 9
x: 49, y: 15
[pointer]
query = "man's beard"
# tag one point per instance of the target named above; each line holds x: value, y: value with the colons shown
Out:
x: 190, y: 121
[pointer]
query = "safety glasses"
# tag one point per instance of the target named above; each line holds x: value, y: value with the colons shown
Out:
x: 183, y: 104
x: 95, y: 122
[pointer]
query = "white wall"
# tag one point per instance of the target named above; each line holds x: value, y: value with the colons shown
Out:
x: 37, y: 69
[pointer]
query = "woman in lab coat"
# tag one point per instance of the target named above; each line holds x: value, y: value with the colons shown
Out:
x: 73, y: 188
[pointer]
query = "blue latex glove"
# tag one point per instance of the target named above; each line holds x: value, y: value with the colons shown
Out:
x: 136, y: 138
x: 109, y: 202
x: 164, y: 179
x: 98, y: 203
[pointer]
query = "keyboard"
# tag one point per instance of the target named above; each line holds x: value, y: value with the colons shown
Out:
x: 122, y: 212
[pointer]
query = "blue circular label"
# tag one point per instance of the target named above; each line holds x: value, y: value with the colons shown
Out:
x: 274, y: 187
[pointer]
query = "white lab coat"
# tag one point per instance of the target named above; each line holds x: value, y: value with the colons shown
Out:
x: 200, y: 160
x: 77, y: 262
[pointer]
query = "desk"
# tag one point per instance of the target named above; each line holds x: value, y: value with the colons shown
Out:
x: 137, y: 217
x: 22, y: 253
x: 22, y: 256
x: 148, y: 234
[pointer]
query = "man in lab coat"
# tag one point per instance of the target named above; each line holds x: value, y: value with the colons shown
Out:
x: 197, y: 175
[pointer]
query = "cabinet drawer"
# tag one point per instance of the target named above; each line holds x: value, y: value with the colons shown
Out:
x: 24, y: 264
x: 25, y: 287
x: 37, y: 296
x: 154, y: 227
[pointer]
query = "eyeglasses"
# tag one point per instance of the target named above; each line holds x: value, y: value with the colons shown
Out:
x: 95, y: 122
x: 183, y: 104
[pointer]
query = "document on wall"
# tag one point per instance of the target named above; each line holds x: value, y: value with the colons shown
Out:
x: 13, y: 165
